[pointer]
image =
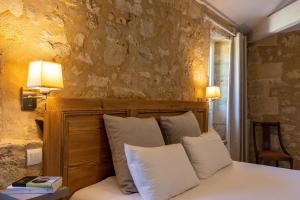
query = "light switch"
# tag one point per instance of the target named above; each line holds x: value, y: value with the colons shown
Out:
x: 34, y: 156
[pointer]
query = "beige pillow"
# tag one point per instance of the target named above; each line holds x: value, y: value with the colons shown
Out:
x: 133, y: 131
x: 175, y: 127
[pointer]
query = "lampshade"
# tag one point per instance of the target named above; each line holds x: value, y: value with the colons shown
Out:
x: 45, y: 75
x: 213, y: 92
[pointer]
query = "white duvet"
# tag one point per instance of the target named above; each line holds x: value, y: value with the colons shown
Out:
x: 240, y: 181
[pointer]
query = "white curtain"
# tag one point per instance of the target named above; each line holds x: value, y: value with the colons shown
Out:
x: 238, y: 141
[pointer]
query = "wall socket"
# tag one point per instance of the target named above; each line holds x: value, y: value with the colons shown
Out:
x: 34, y: 156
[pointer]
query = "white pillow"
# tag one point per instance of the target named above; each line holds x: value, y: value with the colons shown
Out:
x: 207, y: 154
x: 160, y: 173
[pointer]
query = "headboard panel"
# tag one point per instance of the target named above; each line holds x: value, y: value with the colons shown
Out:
x: 75, y: 141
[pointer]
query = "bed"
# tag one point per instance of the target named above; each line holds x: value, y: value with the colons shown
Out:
x: 240, y: 181
x: 76, y: 148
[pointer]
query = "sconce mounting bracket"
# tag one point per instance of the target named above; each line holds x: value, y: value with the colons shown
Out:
x: 28, y: 99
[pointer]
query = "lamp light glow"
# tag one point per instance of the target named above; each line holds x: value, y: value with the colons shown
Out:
x: 213, y: 92
x: 45, y: 76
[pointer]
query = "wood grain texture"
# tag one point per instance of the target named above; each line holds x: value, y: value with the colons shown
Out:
x: 75, y: 140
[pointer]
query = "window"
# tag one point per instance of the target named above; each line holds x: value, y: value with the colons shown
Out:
x: 219, y: 74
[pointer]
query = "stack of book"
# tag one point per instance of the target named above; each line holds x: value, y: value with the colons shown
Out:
x: 35, y: 185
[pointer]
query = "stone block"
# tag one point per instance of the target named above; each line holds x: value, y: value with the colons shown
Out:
x: 269, y: 41
x: 265, y: 71
x: 264, y: 105
x: 289, y: 110
x: 253, y: 55
x: 294, y: 74
x: 259, y: 88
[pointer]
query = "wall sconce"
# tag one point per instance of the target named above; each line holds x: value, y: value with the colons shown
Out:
x: 43, y: 77
x: 213, y: 92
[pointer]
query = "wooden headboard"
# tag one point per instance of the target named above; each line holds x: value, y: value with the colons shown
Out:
x: 75, y: 141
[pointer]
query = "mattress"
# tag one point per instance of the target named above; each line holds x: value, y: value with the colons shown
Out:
x: 239, y: 181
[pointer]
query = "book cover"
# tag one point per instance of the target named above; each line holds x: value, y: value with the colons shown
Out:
x: 23, y: 181
x: 52, y: 182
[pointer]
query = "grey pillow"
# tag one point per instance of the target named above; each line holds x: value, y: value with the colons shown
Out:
x: 134, y: 131
x: 175, y: 127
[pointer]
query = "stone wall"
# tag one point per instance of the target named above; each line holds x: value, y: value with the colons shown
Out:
x: 274, y: 85
x: 13, y: 160
x: 137, y: 49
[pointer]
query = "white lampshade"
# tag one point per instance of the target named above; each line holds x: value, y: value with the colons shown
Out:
x: 213, y: 92
x: 45, y: 76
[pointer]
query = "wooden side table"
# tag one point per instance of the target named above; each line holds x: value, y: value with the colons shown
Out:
x: 61, y: 193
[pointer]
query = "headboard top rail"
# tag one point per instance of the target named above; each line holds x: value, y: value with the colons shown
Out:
x: 115, y: 104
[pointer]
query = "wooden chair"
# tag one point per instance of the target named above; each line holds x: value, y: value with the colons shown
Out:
x: 265, y: 153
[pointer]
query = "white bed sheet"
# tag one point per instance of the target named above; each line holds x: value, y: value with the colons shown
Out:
x: 240, y: 181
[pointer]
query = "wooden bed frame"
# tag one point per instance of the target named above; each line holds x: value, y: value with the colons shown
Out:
x: 75, y: 141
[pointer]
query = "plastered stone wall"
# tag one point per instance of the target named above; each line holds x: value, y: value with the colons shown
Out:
x: 274, y: 85
x: 134, y: 49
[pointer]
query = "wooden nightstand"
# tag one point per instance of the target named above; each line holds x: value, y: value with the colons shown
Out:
x: 61, y: 193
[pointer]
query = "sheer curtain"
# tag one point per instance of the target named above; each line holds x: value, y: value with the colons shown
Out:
x: 238, y: 139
